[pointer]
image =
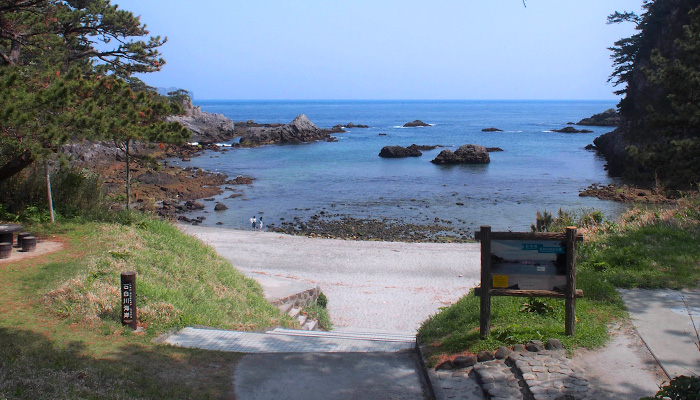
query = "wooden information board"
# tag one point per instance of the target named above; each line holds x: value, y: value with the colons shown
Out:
x: 530, y: 264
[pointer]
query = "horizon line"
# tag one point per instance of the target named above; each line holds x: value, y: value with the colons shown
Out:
x: 414, y: 99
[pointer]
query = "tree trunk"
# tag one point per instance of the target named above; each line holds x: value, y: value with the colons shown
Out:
x: 48, y: 189
x: 128, y: 176
x: 16, y: 165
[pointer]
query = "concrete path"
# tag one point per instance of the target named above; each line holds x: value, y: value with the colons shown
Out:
x: 387, y: 285
x: 348, y: 376
x: 662, y: 320
x: 291, y: 341
x: 302, y: 365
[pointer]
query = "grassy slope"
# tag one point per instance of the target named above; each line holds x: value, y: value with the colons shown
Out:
x: 59, y: 317
x: 648, y: 247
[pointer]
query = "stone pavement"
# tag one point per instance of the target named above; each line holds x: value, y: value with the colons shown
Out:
x: 525, y: 373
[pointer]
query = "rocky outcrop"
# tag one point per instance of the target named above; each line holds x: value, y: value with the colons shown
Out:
x: 414, y: 124
x: 569, y: 129
x: 612, y: 146
x: 400, y: 152
x: 341, y: 128
x: 351, y: 125
x: 608, y: 117
x: 300, y: 130
x: 467, y: 154
x: 205, y: 127
x: 492, y: 129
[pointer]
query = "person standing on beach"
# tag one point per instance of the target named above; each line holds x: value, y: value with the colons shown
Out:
x: 252, y: 222
x: 260, y: 224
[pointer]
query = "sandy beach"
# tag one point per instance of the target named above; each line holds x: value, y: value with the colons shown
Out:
x: 389, y: 286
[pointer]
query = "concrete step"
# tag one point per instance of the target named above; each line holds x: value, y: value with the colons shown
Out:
x: 285, y: 308
x: 310, y: 325
x: 352, y: 335
x: 294, y: 312
x: 301, y: 319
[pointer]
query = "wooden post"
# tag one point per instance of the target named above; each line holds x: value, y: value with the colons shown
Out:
x: 128, y: 290
x: 570, y: 280
x: 48, y: 189
x: 485, y: 308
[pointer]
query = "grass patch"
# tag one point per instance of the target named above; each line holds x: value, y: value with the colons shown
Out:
x: 649, y: 247
x: 60, y: 314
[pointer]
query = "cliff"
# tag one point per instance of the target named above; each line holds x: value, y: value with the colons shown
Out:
x: 206, y: 127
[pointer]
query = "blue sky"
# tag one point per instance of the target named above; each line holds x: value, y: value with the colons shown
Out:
x: 385, y: 49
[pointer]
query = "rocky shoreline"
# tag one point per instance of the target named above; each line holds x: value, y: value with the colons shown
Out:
x: 349, y: 228
x: 627, y: 194
x: 173, y: 192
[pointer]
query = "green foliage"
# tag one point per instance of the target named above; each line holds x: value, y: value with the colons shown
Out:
x: 456, y: 328
x: 322, y: 300
x: 543, y: 222
x: 536, y: 305
x: 650, y: 256
x: 320, y: 314
x: 679, y: 388
x: 69, y: 78
x: 180, y: 281
x: 76, y: 193
x: 660, y: 68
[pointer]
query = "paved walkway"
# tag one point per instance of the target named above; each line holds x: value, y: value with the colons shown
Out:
x: 291, y: 341
x: 663, y: 322
x: 302, y: 365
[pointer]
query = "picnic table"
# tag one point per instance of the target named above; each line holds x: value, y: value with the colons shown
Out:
x: 7, y: 231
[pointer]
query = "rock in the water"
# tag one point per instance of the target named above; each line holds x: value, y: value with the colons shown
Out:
x: 493, y: 149
x: 193, y: 205
x: 351, y: 125
x: 492, y: 129
x: 467, y: 154
x: 300, y: 130
x: 399, y: 152
x: 415, y: 124
x: 569, y: 129
x: 606, y: 118
x: 422, y: 147
x: 220, y: 207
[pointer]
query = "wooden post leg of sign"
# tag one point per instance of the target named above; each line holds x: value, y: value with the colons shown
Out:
x: 128, y: 289
x: 570, y: 280
x: 485, y: 318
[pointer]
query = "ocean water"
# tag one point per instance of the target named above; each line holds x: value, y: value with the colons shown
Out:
x: 537, y: 170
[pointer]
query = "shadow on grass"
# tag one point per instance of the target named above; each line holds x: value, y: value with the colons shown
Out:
x: 34, y: 367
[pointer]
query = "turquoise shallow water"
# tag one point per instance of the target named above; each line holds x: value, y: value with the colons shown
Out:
x: 538, y: 169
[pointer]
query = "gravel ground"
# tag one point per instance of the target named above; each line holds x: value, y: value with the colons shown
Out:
x: 389, y: 286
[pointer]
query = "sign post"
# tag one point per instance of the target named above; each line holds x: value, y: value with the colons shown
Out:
x: 528, y: 264
x: 128, y: 290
